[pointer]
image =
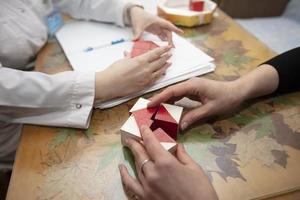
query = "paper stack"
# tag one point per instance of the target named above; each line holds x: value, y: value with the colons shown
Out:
x: 86, y: 45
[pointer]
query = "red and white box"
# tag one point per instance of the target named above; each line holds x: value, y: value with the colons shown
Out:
x: 163, y: 120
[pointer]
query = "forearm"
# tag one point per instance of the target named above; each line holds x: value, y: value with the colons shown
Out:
x: 280, y: 74
x: 104, y: 89
x: 261, y: 81
x: 287, y: 66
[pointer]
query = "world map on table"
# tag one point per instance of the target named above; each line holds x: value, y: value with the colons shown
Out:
x: 83, y: 164
x: 260, y: 132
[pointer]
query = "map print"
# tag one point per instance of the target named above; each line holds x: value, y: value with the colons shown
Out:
x: 82, y: 164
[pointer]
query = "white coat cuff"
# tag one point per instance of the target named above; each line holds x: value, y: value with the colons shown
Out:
x: 82, y: 100
x: 121, y: 10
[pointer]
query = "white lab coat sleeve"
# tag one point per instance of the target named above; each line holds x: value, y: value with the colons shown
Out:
x: 99, y: 10
x: 64, y: 99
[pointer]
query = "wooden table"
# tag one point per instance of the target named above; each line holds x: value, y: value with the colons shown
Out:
x: 256, y: 156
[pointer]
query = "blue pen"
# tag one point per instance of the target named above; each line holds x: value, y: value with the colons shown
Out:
x: 114, y: 42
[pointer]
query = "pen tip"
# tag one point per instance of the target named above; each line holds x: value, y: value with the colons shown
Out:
x: 88, y: 49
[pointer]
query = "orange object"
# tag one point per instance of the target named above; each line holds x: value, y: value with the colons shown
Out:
x: 178, y: 12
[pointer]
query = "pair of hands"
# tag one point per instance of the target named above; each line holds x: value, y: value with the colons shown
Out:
x: 168, y: 177
x: 164, y: 176
x: 179, y: 177
x: 218, y: 97
x: 130, y: 75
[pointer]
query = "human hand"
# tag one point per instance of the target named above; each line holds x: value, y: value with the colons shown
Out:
x: 216, y: 97
x: 143, y: 21
x: 165, y: 176
x: 130, y: 75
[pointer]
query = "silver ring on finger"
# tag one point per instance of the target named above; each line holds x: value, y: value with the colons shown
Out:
x: 143, y: 164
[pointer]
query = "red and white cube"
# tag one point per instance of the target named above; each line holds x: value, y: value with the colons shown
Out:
x: 163, y: 120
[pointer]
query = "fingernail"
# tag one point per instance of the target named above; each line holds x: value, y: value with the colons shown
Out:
x: 184, y: 126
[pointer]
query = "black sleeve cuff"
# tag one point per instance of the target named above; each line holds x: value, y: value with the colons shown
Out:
x: 288, y: 67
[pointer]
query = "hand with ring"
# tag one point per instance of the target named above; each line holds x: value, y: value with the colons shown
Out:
x: 162, y: 175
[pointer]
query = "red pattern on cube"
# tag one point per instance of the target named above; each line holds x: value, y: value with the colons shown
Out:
x: 163, y: 120
x: 156, y: 118
x: 142, y: 46
x: 144, y: 117
x: 170, y: 128
x: 162, y: 136
x: 163, y: 115
x: 196, y: 5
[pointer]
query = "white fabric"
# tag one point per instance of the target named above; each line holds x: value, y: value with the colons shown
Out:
x: 65, y: 99
x: 22, y: 23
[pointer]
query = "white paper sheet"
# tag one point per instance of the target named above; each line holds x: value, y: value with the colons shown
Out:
x: 187, y: 60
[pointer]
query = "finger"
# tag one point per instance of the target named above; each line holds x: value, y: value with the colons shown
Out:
x: 140, y: 155
x: 153, y: 147
x: 195, y: 115
x: 130, y: 183
x: 159, y: 73
x: 159, y: 63
x: 174, y: 92
x: 163, y: 37
x: 137, y: 33
x: 182, y: 156
x: 155, y: 53
x: 170, y: 39
x: 171, y: 27
x: 127, y: 54
x: 168, y: 64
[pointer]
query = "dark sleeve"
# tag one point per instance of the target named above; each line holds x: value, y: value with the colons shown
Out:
x: 288, y: 67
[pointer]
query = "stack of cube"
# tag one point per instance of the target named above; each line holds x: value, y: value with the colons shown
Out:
x: 163, y: 120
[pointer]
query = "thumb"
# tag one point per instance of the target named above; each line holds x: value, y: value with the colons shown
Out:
x: 182, y: 155
x: 195, y: 115
x: 127, y: 54
x: 137, y: 33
